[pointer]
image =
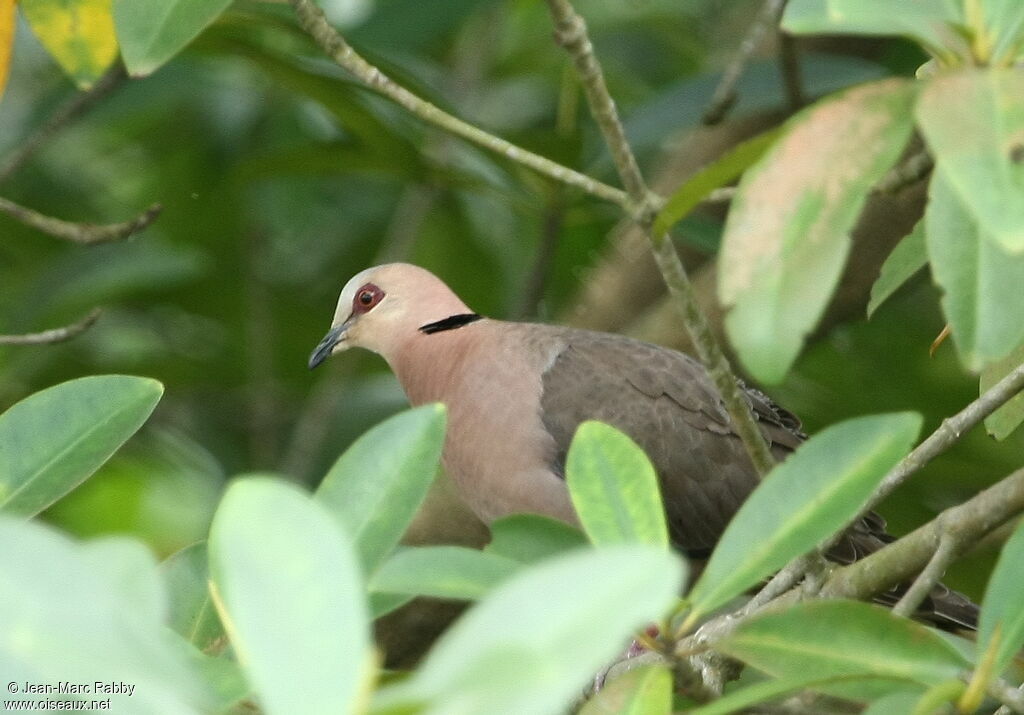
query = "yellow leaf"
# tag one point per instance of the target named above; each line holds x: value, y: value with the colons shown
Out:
x: 6, y: 40
x: 78, y: 33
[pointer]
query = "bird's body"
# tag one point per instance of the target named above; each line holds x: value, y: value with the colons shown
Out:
x: 516, y: 392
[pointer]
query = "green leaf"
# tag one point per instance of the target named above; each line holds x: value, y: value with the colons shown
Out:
x: 222, y: 676
x: 684, y: 199
x: 803, y: 501
x: 1001, y: 624
x: 151, y: 32
x: 614, y: 488
x: 894, y: 703
x: 1001, y: 423
x: 787, y: 235
x: 534, y: 642
x: 641, y: 691
x: 981, y: 282
x: 51, y: 441
x: 193, y: 615
x: 741, y: 699
x: 90, y: 612
x: 906, y: 259
x: 79, y: 34
x: 376, y: 486
x: 981, y: 151
x: 382, y: 604
x: 529, y: 538
x: 845, y: 638
x: 932, y: 23
x: 287, y: 585
x: 442, y: 572
x: 1004, y: 23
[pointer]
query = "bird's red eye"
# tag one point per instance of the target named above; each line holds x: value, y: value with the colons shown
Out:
x: 366, y: 297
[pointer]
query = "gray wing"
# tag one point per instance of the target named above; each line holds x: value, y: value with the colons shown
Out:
x: 667, y: 403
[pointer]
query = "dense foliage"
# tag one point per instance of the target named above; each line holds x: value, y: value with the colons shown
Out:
x: 280, y: 176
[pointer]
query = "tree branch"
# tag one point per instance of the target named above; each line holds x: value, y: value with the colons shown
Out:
x: 57, y: 335
x: 909, y: 171
x: 64, y: 115
x: 950, y: 432
x: 944, y: 555
x: 313, y: 21
x: 725, y: 93
x: 1011, y: 697
x: 571, y: 32
x: 901, y: 559
x: 85, y: 233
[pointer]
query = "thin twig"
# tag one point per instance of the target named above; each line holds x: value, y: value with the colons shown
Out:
x: 949, y: 432
x: 571, y: 32
x: 1011, y: 697
x: 312, y: 20
x: 725, y: 93
x: 86, y: 233
x: 894, y: 563
x: 944, y: 555
x: 721, y: 195
x: 785, y: 579
x: 66, y: 113
x: 907, y: 172
x: 57, y: 335
x: 900, y: 560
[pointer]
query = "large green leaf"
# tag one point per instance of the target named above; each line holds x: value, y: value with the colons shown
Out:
x: 802, y: 502
x: 151, y: 32
x: 83, y: 613
x: 684, y: 199
x: 442, y: 572
x: 51, y: 441
x: 1001, y: 423
x: 640, y: 691
x: 845, y: 639
x: 981, y: 282
x: 533, y: 643
x: 741, y: 699
x: 787, y: 235
x: 529, y: 538
x: 614, y: 488
x: 1001, y: 624
x: 932, y: 23
x: 981, y: 150
x: 192, y: 613
x: 289, y: 592
x: 1004, y: 25
x: 906, y: 259
x: 377, y: 485
x: 79, y: 34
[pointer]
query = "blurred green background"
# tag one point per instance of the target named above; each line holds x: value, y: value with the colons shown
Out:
x: 281, y: 178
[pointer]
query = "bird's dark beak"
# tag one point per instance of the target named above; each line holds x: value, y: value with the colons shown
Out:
x: 334, y: 336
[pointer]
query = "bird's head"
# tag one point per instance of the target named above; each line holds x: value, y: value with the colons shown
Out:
x: 382, y: 307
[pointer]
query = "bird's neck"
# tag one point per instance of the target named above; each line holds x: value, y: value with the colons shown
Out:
x: 429, y: 365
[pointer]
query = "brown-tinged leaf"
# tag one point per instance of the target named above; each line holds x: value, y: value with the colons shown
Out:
x: 787, y: 235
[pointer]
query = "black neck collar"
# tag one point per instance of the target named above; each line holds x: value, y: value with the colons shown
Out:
x: 450, y: 323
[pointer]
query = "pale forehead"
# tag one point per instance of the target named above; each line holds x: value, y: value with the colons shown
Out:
x: 355, y: 283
